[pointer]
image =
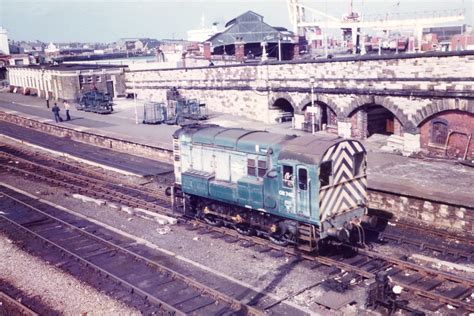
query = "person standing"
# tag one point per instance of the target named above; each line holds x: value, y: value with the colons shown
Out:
x: 56, y: 110
x: 47, y: 101
x: 67, y: 107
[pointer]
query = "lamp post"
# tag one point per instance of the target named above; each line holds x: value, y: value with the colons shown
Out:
x: 135, y: 98
x: 264, y: 51
x: 279, y: 47
x: 311, y: 80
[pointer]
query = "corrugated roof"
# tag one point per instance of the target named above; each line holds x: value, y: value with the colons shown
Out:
x: 249, y: 28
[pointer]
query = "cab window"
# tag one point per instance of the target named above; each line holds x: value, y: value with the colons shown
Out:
x: 302, y: 179
x: 358, y: 160
x: 287, y: 176
x: 325, y: 173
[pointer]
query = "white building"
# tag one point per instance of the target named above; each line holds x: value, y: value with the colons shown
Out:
x: 4, y: 49
x: 51, y: 49
x: 202, y: 34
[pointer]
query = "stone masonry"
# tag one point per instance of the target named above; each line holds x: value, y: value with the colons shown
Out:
x: 412, y: 87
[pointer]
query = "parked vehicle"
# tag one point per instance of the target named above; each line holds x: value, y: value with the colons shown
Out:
x: 96, y: 101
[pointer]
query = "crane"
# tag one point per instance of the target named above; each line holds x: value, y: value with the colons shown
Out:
x: 352, y: 21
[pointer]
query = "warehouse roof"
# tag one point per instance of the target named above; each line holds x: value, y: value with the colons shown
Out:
x: 250, y: 28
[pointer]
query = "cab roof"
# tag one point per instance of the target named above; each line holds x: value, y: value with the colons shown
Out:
x: 309, y: 149
x: 248, y: 141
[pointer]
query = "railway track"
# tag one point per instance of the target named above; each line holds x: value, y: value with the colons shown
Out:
x: 441, y: 288
x: 450, y: 252
x: 132, y: 196
x: 168, y: 290
x: 10, y: 306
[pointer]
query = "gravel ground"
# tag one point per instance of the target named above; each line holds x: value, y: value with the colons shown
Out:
x: 57, y: 289
x: 279, y: 276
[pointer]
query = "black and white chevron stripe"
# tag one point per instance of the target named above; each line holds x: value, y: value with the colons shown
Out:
x: 346, y: 190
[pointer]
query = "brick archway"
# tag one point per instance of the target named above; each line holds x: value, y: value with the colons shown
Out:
x: 385, y: 102
x: 438, y: 106
x: 319, y: 98
x: 281, y: 95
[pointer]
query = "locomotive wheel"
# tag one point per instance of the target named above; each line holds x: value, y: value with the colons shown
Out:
x: 280, y: 240
x: 244, y: 230
x: 212, y: 220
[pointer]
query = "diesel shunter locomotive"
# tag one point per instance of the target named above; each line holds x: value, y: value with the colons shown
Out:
x: 297, y: 190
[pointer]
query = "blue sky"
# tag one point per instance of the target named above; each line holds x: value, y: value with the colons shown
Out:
x: 109, y: 20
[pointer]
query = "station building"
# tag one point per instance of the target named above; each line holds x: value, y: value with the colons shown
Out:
x: 248, y: 37
x: 66, y: 81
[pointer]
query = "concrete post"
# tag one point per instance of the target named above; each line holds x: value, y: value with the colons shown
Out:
x: 240, y: 51
x: 296, y: 47
x: 264, y: 51
x: 207, y: 50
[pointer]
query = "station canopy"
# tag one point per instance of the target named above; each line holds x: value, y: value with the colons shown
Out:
x: 250, y: 28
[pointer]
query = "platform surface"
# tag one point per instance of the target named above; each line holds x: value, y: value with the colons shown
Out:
x: 435, y: 180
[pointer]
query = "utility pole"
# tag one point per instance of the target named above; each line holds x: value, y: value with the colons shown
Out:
x: 135, y: 98
x: 311, y: 80
x: 279, y: 47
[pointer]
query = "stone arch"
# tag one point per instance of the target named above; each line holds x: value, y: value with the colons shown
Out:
x: 385, y: 102
x: 319, y: 98
x: 438, y: 106
x: 281, y: 95
x: 326, y: 117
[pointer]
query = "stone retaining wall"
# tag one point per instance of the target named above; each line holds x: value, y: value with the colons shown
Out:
x: 439, y: 214
x: 90, y: 138
x: 405, y: 77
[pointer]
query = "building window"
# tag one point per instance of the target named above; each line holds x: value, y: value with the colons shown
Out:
x: 288, y: 176
x: 82, y: 79
x: 98, y: 79
x: 439, y: 132
x: 325, y: 173
x: 90, y: 79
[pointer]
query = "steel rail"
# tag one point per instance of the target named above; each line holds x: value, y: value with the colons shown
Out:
x: 25, y: 310
x: 423, y: 245
x: 234, y: 303
x: 348, y: 267
x: 99, y: 178
x: 425, y: 230
x: 71, y: 181
x: 393, y: 262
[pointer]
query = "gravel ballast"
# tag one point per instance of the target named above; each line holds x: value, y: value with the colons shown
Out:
x: 56, y: 289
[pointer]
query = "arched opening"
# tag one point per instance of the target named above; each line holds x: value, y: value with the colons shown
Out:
x: 371, y: 119
x: 379, y: 120
x: 285, y: 110
x: 448, y: 134
x: 325, y: 119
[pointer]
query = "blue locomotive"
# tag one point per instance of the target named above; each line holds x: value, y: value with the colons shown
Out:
x: 296, y: 190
